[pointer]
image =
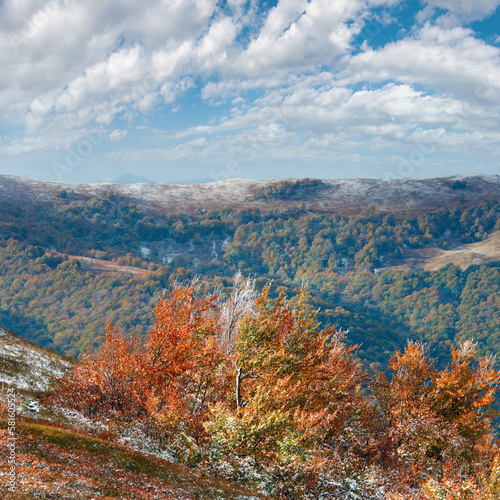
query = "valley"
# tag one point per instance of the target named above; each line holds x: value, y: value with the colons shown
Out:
x: 384, y: 262
x: 84, y: 256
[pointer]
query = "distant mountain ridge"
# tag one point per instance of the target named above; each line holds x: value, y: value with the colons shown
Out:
x: 328, y: 195
x: 127, y: 178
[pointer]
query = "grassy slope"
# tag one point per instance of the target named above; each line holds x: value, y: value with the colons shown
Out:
x: 54, y: 462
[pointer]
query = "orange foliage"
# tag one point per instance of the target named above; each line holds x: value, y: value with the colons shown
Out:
x: 171, y: 378
x: 254, y: 378
x: 433, y: 418
x: 183, y: 358
x: 105, y: 384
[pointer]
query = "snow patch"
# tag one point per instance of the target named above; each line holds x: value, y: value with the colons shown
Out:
x: 28, y: 367
x: 145, y: 251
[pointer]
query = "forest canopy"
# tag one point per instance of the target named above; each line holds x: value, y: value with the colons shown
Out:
x: 47, y: 295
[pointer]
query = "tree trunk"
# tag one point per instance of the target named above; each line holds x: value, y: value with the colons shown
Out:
x: 238, y: 387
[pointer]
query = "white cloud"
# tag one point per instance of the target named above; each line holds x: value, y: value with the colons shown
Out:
x: 318, y: 105
x: 316, y: 122
x: 469, y: 10
x: 450, y: 60
x: 286, y: 80
x: 171, y: 91
x: 211, y: 50
x: 67, y: 66
x: 118, y: 135
x: 301, y: 34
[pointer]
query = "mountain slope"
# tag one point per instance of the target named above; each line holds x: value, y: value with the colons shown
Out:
x: 338, y: 195
x: 27, y: 367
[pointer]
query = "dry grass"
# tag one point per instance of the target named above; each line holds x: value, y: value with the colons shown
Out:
x: 55, y: 462
x: 474, y: 253
x: 99, y: 266
x: 431, y: 258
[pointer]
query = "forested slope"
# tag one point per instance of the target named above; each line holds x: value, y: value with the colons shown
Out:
x: 360, y: 267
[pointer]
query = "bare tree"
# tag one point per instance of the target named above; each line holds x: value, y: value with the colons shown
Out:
x: 234, y: 309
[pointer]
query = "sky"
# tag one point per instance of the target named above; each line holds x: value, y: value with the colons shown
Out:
x: 201, y: 90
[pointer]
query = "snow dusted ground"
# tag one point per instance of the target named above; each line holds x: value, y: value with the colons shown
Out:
x: 401, y: 194
x: 26, y: 366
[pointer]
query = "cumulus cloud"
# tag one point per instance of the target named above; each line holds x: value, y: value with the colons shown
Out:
x: 451, y: 60
x: 469, y: 10
x: 118, y: 135
x: 92, y: 58
x: 289, y: 81
x: 211, y: 51
x: 299, y: 34
x: 320, y: 123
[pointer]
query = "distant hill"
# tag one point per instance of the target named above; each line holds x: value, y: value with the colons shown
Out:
x: 324, y: 196
x: 131, y: 179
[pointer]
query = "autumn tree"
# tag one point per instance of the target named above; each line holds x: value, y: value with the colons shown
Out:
x: 435, y: 418
x: 181, y: 358
x: 106, y: 385
x: 252, y: 386
x: 296, y: 386
x: 168, y: 380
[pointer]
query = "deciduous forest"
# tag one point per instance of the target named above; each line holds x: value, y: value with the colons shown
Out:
x: 301, y: 354
x: 349, y: 264
x: 253, y: 390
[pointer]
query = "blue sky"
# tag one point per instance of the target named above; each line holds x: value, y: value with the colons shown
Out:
x: 183, y: 90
